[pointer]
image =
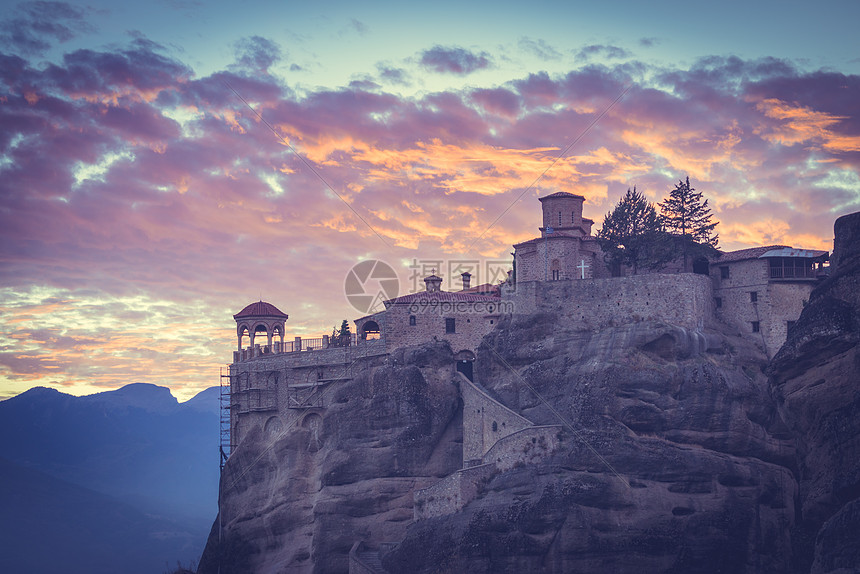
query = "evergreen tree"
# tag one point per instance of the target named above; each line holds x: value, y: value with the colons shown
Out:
x: 344, y: 335
x: 688, y: 218
x: 632, y: 234
x: 341, y: 337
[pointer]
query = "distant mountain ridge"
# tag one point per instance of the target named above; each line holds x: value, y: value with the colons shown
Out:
x: 137, y: 448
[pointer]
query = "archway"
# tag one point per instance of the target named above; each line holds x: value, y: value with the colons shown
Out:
x: 464, y: 360
x: 370, y: 330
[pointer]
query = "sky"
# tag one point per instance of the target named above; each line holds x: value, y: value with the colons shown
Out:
x: 163, y: 164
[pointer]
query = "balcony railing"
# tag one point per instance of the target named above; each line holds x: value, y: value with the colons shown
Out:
x: 301, y: 345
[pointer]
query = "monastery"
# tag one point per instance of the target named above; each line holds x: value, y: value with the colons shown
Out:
x: 277, y: 384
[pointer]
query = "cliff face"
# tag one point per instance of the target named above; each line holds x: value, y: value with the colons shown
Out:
x: 297, y: 501
x: 680, y: 451
x: 815, y: 379
x: 674, y: 459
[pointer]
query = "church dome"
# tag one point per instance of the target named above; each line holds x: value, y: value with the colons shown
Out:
x: 260, y: 309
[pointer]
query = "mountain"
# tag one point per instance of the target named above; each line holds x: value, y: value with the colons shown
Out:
x: 51, y: 526
x: 136, y: 446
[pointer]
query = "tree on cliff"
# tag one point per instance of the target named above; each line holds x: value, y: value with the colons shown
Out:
x: 688, y: 218
x: 632, y: 234
x: 341, y: 337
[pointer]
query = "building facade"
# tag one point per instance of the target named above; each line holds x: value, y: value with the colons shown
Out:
x: 762, y: 290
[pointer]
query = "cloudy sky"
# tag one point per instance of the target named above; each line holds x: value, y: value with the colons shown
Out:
x: 165, y: 163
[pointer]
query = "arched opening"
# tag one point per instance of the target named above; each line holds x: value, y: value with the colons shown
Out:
x: 243, y: 332
x: 556, y: 270
x: 273, y: 427
x: 464, y: 361
x: 262, y: 336
x: 278, y: 337
x: 370, y: 330
x: 701, y: 266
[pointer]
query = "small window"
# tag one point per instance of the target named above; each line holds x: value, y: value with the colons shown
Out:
x: 756, y: 327
x: 572, y: 217
x: 718, y: 302
x: 559, y: 219
x: 556, y: 274
x: 449, y: 326
x: 724, y: 272
x: 753, y: 296
x: 412, y: 320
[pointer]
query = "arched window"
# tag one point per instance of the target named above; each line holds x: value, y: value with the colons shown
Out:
x: 412, y: 320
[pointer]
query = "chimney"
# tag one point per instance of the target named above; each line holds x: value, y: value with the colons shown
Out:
x: 433, y: 283
x: 467, y: 280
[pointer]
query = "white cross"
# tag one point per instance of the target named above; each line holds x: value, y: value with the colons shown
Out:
x: 582, y: 267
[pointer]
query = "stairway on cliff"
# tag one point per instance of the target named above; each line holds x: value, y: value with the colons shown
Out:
x: 371, y: 560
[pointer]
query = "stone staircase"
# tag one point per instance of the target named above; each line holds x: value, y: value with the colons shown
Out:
x: 364, y: 560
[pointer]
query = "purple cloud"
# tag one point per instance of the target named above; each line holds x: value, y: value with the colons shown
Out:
x: 255, y: 55
x: 454, y: 60
x: 607, y: 52
x: 38, y: 24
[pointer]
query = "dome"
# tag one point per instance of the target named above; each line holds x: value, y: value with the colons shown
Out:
x: 260, y: 309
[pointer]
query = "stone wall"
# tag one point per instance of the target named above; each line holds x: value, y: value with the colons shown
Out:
x: 485, y: 421
x: 452, y: 493
x: 472, y: 320
x: 527, y: 446
x: 685, y: 300
x: 263, y: 388
x: 537, y: 259
x: 748, y: 296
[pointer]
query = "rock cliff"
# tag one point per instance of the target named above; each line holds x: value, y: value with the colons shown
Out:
x: 815, y: 379
x: 681, y: 451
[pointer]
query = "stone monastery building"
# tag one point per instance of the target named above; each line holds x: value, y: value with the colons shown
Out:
x: 274, y: 382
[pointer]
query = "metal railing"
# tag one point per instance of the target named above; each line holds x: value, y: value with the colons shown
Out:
x: 300, y: 345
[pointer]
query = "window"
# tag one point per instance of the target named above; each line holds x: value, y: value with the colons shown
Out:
x: 556, y: 274
x: 449, y: 326
x: 559, y: 219
x: 753, y: 296
x: 718, y: 302
x: 572, y: 217
x: 756, y: 327
x: 724, y: 272
x: 412, y: 320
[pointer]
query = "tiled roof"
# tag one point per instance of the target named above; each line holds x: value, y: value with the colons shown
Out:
x: 484, y: 288
x: 260, y: 309
x: 441, y: 297
x: 560, y: 194
x: 741, y: 254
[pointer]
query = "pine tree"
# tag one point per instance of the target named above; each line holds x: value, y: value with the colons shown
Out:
x: 632, y: 234
x: 344, y: 335
x: 341, y: 337
x: 686, y: 216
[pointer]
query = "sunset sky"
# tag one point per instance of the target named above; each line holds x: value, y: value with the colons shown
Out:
x: 142, y: 202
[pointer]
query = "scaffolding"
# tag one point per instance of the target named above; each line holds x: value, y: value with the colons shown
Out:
x: 226, y: 445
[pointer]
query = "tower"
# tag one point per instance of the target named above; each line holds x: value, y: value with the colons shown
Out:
x: 562, y: 211
x: 260, y: 317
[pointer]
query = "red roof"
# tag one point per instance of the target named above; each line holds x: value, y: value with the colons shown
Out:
x: 260, y: 309
x: 482, y: 289
x: 442, y: 296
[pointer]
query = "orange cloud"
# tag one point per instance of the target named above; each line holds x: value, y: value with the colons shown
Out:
x: 800, y: 124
